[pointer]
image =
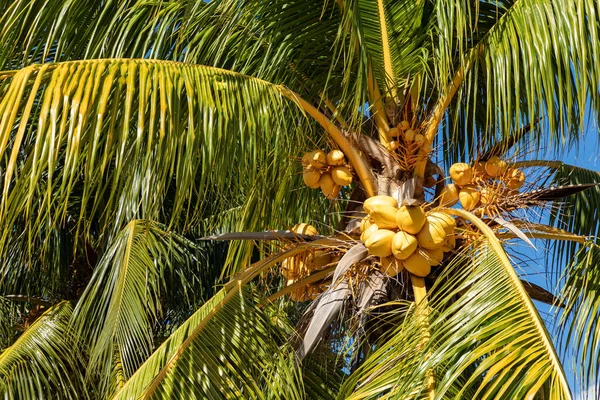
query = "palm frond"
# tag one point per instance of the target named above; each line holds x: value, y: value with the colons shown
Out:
x: 91, y: 145
x: 45, y: 361
x: 577, y: 213
x: 281, y: 41
x: 532, y: 59
x: 212, y: 355
x: 578, y: 323
x: 123, y: 300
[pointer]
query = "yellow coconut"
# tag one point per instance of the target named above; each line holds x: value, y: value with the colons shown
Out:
x: 403, y: 245
x: 434, y: 256
x: 318, y: 159
x: 461, y: 173
x: 495, y: 166
x: 487, y: 195
x: 515, y: 178
x: 341, y: 176
x: 305, y: 229
x: 379, y: 200
x: 443, y: 219
x: 380, y: 243
x: 384, y: 216
x: 469, y: 197
x: 390, y: 266
x: 394, y: 144
x: 448, y: 196
x: 417, y: 265
x: 419, y: 139
x: 307, y: 157
x: 393, y: 132
x: 329, y: 188
x: 368, y: 232
x: 409, y: 135
x: 311, y: 177
x: 404, y: 125
x: 410, y: 219
x: 432, y: 235
x: 449, y: 242
x: 365, y: 223
x: 336, y: 158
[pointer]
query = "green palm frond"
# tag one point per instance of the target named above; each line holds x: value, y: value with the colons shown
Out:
x: 92, y: 145
x: 45, y: 361
x: 549, y: 74
x: 578, y: 323
x: 214, y: 343
x: 577, y: 213
x: 123, y: 300
x: 486, y: 341
x: 281, y: 41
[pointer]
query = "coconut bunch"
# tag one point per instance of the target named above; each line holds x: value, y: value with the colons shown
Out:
x: 406, y: 143
x: 406, y: 236
x: 481, y: 184
x: 302, y: 265
x: 326, y: 171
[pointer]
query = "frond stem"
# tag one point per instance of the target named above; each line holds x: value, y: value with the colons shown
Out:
x: 422, y: 311
x: 379, y: 114
x: 537, y: 163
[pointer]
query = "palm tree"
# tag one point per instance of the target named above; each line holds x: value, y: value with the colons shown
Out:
x: 153, y: 159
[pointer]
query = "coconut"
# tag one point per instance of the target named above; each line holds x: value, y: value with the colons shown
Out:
x: 379, y: 200
x: 403, y: 245
x: 449, y: 242
x: 336, y: 158
x: 341, y: 176
x: 390, y: 266
x: 404, y: 125
x: 311, y: 177
x: 409, y: 135
x: 417, y: 265
x: 393, y: 132
x: 495, y: 166
x: 419, y: 139
x: 384, y: 216
x: 329, y: 188
x: 434, y: 256
x: 487, y: 195
x: 469, y: 197
x: 305, y: 229
x: 449, y: 196
x: 445, y: 220
x: 461, y: 173
x: 394, y: 144
x: 365, y: 223
x: 515, y: 178
x: 380, y: 243
x: 410, y: 219
x: 318, y: 159
x: 432, y: 235
x: 368, y: 232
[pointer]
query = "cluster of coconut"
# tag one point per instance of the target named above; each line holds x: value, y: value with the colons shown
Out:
x: 404, y: 131
x: 326, y: 171
x: 406, y: 237
x: 481, y: 183
x: 302, y: 265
